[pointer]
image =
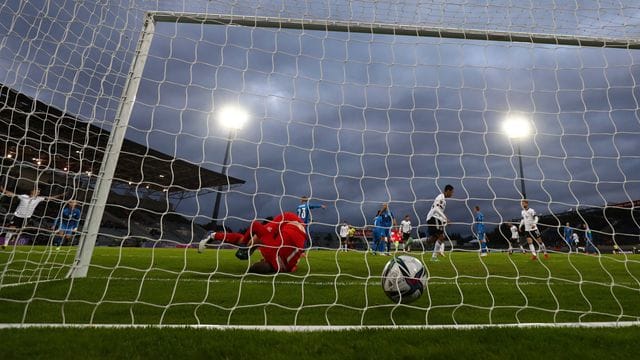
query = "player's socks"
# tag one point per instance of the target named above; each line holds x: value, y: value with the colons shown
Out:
x: 7, y: 238
x: 434, y: 257
x: 436, y: 250
x: 483, y: 248
x: 533, y: 250
x: 543, y: 248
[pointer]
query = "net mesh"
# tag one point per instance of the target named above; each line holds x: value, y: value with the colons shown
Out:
x: 352, y: 104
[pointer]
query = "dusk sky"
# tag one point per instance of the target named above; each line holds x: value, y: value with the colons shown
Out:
x: 352, y: 119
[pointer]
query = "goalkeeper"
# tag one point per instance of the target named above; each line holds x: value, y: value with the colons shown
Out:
x: 280, y: 242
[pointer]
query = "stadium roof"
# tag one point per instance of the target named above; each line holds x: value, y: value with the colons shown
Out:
x: 47, y: 138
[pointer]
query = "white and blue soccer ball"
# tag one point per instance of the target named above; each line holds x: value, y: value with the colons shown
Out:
x: 404, y: 279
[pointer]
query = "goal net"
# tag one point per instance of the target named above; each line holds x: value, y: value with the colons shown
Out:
x: 168, y: 124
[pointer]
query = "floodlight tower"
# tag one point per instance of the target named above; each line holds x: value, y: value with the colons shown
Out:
x: 231, y: 118
x: 516, y: 128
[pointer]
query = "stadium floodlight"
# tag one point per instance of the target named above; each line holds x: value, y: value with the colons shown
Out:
x: 518, y: 127
x: 232, y: 118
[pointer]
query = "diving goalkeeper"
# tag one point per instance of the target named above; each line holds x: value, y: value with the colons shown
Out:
x: 280, y: 241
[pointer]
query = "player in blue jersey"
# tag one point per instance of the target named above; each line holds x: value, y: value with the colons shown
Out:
x: 568, y: 236
x: 67, y: 223
x: 589, y: 246
x: 304, y: 212
x: 304, y: 209
x: 479, y: 228
x: 377, y: 233
x: 387, y: 220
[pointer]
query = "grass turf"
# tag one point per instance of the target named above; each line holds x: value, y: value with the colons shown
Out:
x: 180, y: 286
x: 495, y: 343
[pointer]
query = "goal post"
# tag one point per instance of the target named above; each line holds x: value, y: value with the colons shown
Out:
x: 393, y: 29
x: 111, y: 154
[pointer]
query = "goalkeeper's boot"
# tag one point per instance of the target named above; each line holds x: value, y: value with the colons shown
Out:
x: 203, y: 243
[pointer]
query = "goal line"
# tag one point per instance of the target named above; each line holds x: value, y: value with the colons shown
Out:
x: 313, y: 328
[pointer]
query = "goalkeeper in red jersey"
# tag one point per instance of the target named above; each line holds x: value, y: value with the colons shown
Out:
x: 280, y: 241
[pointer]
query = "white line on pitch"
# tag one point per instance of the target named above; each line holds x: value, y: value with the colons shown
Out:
x: 374, y: 281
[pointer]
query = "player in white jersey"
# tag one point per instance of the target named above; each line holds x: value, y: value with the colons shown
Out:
x: 437, y: 220
x: 24, y: 211
x: 576, y: 240
x: 405, y: 228
x: 344, y: 236
x: 515, y: 238
x: 530, y: 224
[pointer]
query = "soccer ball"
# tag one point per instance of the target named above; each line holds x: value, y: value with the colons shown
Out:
x: 403, y: 279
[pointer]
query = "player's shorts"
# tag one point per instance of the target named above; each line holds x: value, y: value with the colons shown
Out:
x: 283, y: 250
x: 66, y: 229
x: 481, y: 236
x: 385, y: 232
x: 17, y: 222
x: 405, y: 236
x: 435, y: 226
x: 534, y: 234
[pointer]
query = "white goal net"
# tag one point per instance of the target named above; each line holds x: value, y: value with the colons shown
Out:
x: 150, y: 127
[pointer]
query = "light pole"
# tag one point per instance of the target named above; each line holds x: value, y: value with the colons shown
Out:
x: 517, y: 128
x: 231, y: 118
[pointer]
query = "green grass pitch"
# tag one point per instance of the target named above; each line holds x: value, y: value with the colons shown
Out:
x: 180, y: 286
